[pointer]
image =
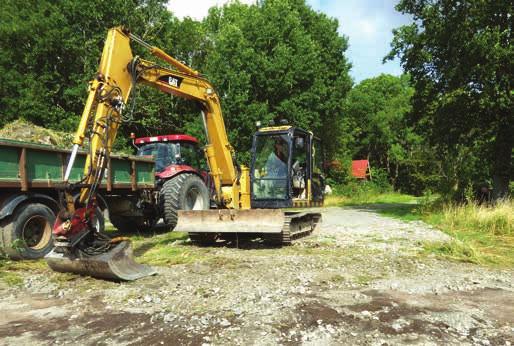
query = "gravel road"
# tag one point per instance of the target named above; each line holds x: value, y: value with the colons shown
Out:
x: 360, y: 279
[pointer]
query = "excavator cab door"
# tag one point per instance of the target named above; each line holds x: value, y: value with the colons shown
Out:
x: 270, y: 170
x: 317, y: 174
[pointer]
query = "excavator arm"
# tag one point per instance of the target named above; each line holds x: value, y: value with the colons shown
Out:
x: 109, y: 92
x: 76, y: 240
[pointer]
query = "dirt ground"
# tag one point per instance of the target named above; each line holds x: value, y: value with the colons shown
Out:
x: 361, y: 279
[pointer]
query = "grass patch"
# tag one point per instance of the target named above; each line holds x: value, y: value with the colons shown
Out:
x: 165, y: 249
x: 482, y: 234
x: 9, y: 269
x: 168, y: 255
x: 369, y: 198
x: 10, y: 278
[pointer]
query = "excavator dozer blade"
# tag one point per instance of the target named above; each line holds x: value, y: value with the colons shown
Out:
x: 277, y: 226
x: 231, y: 221
x: 116, y: 264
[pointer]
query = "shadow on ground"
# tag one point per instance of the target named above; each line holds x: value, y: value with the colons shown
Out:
x: 404, y: 211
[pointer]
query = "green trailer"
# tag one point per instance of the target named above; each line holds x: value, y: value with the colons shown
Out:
x: 30, y: 176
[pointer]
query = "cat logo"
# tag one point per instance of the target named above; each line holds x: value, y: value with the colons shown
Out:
x: 173, y: 81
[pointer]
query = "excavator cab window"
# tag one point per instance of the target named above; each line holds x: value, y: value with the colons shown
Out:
x: 270, y: 168
x: 318, y: 181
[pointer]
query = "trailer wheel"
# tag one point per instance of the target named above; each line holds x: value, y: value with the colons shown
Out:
x: 185, y: 191
x: 99, y: 221
x: 29, y: 234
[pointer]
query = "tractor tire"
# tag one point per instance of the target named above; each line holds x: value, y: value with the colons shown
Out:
x: 28, y: 233
x: 185, y: 191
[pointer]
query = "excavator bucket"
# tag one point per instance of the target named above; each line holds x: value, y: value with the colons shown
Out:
x: 277, y: 225
x: 117, y: 264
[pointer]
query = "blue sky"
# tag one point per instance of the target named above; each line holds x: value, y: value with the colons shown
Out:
x: 366, y: 23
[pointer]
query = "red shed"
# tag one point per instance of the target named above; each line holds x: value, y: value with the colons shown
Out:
x: 361, y: 169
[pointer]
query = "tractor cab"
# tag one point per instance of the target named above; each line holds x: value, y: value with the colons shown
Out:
x: 286, y: 169
x: 171, y: 152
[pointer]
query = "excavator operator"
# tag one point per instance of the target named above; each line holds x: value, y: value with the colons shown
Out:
x: 276, y: 165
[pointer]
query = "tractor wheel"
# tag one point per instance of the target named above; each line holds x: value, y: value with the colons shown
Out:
x: 28, y: 234
x: 185, y: 191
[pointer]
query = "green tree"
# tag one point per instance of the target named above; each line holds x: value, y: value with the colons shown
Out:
x: 461, y: 60
x: 50, y: 50
x: 277, y: 60
x: 375, y: 122
x: 273, y: 60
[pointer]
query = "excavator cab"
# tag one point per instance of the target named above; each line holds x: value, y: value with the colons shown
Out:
x: 286, y: 169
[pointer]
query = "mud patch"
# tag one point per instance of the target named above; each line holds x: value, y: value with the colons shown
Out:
x: 116, y: 327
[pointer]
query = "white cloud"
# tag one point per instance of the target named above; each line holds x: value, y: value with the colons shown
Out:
x: 197, y: 9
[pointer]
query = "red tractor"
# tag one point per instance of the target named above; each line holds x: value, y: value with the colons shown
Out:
x: 181, y: 180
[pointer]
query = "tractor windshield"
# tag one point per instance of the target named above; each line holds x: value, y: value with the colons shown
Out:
x: 270, y: 168
x: 172, y: 153
x: 164, y: 154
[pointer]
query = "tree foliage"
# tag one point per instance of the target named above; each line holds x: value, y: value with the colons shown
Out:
x: 51, y: 49
x: 277, y: 59
x: 376, y: 124
x: 444, y: 125
x: 461, y: 58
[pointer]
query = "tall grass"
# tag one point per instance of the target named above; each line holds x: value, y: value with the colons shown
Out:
x: 481, y: 234
x: 497, y: 220
x: 355, y: 192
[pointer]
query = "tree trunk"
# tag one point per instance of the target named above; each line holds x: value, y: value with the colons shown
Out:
x: 502, y: 163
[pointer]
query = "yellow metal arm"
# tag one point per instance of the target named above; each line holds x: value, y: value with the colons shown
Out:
x: 109, y: 92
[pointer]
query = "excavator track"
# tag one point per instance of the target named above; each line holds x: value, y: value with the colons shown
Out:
x: 296, y: 225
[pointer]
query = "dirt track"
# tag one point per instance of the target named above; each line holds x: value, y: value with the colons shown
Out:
x: 360, y: 279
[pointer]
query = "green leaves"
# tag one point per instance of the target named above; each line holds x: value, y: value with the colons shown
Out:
x: 460, y: 57
x: 277, y: 60
x: 376, y: 120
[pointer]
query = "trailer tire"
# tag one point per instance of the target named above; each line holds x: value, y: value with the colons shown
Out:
x: 185, y: 191
x: 28, y: 235
x: 100, y: 220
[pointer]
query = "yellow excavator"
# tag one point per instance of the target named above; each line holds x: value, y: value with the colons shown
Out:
x: 286, y: 169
